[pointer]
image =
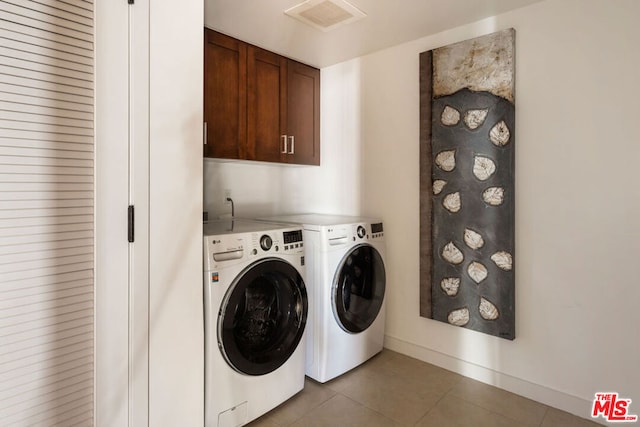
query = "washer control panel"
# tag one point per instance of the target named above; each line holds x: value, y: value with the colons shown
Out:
x: 229, y: 249
x: 289, y: 241
x: 293, y: 241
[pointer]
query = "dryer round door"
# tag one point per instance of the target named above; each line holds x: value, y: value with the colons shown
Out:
x: 262, y: 317
x: 358, y: 288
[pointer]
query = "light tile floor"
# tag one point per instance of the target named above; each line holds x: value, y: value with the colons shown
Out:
x: 392, y: 389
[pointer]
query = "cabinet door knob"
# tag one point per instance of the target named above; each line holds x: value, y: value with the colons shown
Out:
x: 204, y: 133
x: 293, y: 145
x: 284, y: 144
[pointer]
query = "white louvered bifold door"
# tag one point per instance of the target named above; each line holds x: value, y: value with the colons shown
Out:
x: 46, y: 213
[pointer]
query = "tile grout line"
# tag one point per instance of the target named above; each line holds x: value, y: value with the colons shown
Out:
x: 433, y: 407
x: 546, y: 411
x: 313, y: 408
x: 371, y: 409
x: 494, y: 412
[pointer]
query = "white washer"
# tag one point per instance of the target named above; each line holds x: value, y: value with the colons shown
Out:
x: 255, y: 313
x: 346, y: 284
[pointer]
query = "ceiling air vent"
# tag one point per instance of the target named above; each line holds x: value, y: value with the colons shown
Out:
x: 325, y: 15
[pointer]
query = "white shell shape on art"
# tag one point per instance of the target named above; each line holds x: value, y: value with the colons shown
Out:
x: 488, y: 311
x: 493, y: 196
x: 499, y: 134
x: 475, y: 118
x: 450, y: 116
x: 503, y: 260
x: 452, y: 254
x: 450, y: 285
x: 446, y: 160
x: 451, y: 202
x: 459, y: 317
x: 438, y: 185
x: 483, y: 167
x: 472, y: 239
x: 477, y: 272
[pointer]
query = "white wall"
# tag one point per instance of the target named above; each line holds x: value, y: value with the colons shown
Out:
x: 577, y: 202
x: 176, y: 340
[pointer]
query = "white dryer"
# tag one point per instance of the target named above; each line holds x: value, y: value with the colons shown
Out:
x: 346, y: 284
x: 255, y: 313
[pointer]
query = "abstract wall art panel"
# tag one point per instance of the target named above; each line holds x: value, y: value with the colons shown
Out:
x: 467, y: 199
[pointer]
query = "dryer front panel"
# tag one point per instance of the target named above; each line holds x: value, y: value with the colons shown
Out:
x: 358, y: 288
x: 262, y: 317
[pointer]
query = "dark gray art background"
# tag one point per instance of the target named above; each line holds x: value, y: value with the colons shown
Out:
x: 494, y: 223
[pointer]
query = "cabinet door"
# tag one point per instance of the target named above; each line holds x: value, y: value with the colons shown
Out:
x: 266, y: 105
x: 303, y: 113
x: 225, y: 96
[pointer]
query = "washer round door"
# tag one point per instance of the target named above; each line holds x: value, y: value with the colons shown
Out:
x: 262, y: 317
x: 358, y: 288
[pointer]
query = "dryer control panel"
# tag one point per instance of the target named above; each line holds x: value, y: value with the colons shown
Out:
x: 377, y: 230
x: 368, y: 231
x: 349, y: 233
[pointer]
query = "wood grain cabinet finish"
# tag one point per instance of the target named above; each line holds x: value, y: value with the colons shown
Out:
x: 303, y: 113
x: 225, y: 96
x: 259, y: 105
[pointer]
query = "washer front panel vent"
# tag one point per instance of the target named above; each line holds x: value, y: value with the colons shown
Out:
x: 325, y: 15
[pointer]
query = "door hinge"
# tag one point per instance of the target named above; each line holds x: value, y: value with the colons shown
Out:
x: 131, y: 226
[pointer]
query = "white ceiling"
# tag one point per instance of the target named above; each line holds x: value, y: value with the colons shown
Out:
x: 389, y: 22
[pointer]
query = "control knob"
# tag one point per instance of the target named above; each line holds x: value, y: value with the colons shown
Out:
x: 361, y: 231
x: 266, y: 242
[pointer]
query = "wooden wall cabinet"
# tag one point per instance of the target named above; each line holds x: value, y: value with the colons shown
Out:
x: 259, y: 105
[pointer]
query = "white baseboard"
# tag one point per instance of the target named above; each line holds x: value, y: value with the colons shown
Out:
x: 550, y: 397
